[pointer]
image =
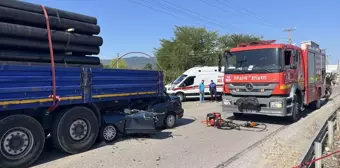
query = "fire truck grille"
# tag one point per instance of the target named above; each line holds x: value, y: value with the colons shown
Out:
x: 251, y: 89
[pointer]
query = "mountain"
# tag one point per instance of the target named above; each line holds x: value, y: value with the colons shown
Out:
x: 134, y: 62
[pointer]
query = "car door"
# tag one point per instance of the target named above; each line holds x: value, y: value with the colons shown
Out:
x: 140, y: 123
x: 161, y: 108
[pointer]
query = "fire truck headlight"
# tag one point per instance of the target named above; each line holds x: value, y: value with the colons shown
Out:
x: 275, y: 104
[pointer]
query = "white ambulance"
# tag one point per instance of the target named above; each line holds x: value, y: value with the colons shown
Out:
x: 187, y: 84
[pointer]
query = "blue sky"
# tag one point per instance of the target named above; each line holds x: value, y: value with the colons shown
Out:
x: 137, y: 25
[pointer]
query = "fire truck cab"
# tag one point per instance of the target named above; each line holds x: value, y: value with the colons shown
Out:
x: 273, y: 79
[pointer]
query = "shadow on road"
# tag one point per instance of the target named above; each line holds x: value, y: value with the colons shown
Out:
x: 185, y: 121
x: 261, y: 119
x: 273, y: 119
x: 50, y: 153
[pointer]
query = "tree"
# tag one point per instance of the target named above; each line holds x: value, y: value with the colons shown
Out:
x: 193, y: 46
x: 232, y: 40
x: 148, y: 66
x: 190, y: 47
x: 121, y: 64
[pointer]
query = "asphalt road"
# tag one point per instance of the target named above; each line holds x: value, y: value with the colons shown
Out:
x: 191, y: 144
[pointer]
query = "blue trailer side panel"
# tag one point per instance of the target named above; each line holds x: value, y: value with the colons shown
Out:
x: 116, y: 84
x: 30, y: 86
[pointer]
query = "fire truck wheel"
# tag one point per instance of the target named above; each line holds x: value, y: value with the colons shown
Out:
x: 317, y: 103
x: 22, y: 140
x: 318, y: 100
x: 295, y: 110
x: 75, y: 130
x: 181, y: 96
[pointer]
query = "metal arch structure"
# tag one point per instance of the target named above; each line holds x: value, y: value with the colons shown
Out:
x: 135, y: 52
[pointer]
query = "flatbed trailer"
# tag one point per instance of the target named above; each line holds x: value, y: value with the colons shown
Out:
x: 28, y: 111
x: 72, y: 103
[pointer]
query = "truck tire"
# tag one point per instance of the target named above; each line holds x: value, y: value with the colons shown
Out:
x: 317, y: 103
x: 318, y: 100
x: 22, y: 140
x: 75, y: 130
x: 181, y: 96
x: 295, y: 110
x: 170, y: 120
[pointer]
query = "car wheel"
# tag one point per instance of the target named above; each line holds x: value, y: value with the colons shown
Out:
x: 108, y: 133
x: 170, y: 121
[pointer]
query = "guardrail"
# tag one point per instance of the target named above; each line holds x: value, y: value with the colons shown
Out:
x: 316, y: 148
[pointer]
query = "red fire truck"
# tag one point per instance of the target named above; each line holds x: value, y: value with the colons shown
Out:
x: 273, y: 79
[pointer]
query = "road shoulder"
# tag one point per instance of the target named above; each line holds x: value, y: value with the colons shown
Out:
x: 284, y: 149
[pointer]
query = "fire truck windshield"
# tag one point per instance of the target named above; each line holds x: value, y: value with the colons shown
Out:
x: 254, y: 61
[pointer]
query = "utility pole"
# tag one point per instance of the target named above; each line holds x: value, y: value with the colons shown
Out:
x: 117, y: 60
x: 289, y: 30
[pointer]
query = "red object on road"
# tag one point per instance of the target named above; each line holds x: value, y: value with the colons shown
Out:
x: 213, y: 119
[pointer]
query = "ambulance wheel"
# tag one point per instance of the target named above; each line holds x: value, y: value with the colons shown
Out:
x: 181, y: 96
x: 108, y: 133
x: 22, y: 140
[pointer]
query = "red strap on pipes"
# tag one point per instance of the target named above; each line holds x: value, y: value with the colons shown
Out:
x: 54, y: 96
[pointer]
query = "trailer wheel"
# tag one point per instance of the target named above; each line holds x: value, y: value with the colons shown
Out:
x: 75, y: 130
x: 108, y: 133
x: 170, y: 121
x: 22, y: 140
x: 181, y: 97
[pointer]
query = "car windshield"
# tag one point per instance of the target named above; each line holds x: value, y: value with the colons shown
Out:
x: 254, y: 61
x: 179, y: 79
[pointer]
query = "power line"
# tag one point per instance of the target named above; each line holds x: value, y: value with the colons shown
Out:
x: 198, y: 15
x: 168, y: 8
x: 173, y: 7
x: 154, y: 8
x: 246, y: 11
